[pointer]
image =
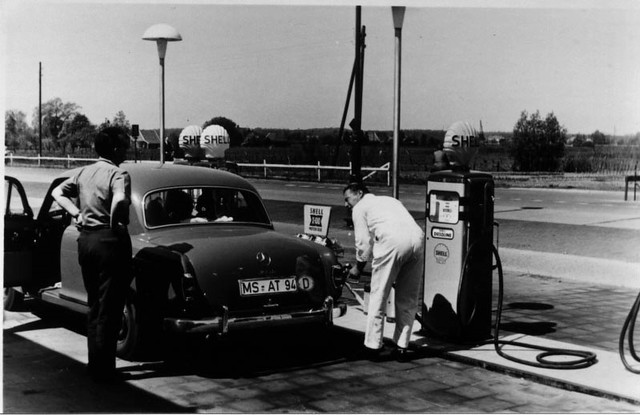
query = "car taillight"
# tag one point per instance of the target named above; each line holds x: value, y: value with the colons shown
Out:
x: 189, y: 287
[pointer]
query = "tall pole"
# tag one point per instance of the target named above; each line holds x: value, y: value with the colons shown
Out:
x: 356, y: 123
x: 161, y: 34
x: 162, y: 110
x: 40, y: 110
x: 358, y: 100
x: 398, y: 17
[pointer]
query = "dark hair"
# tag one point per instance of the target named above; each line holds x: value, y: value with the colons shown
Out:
x: 356, y: 187
x: 108, y: 139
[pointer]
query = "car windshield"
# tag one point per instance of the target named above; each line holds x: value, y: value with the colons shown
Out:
x: 193, y: 205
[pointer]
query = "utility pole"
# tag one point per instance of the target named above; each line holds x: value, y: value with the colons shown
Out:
x: 398, y: 17
x: 40, y: 110
x: 356, y: 123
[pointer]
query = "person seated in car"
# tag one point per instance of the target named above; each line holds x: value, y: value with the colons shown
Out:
x: 206, y: 205
x: 179, y: 206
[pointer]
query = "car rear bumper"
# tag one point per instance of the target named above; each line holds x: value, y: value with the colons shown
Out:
x: 224, y: 323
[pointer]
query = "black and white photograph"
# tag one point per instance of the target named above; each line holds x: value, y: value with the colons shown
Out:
x: 305, y: 206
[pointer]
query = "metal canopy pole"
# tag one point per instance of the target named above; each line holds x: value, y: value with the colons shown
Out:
x: 356, y: 123
x: 398, y: 17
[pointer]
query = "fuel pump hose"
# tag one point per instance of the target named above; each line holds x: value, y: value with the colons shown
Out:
x: 584, y: 358
x: 628, y: 328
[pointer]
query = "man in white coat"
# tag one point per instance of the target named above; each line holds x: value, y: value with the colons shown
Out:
x: 387, y: 234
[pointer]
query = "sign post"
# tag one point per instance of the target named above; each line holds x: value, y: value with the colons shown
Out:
x: 135, y: 132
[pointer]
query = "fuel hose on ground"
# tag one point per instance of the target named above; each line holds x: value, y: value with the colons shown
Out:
x: 543, y: 360
x: 628, y: 328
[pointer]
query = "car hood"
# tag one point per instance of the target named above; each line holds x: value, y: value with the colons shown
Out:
x: 223, y: 257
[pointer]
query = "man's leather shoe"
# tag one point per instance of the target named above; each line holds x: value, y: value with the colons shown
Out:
x: 374, y: 355
x: 402, y: 354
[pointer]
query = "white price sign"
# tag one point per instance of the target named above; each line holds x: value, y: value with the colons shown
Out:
x: 316, y: 219
x: 444, y: 207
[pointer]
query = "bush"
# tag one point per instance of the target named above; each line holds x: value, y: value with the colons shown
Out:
x: 538, y: 145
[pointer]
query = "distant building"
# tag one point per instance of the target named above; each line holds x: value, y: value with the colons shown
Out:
x: 147, y: 139
x: 277, y: 139
x: 494, y: 140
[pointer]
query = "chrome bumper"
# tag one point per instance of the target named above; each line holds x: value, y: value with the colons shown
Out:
x: 222, y: 324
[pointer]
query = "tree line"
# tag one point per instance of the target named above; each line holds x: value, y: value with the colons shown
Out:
x: 536, y: 143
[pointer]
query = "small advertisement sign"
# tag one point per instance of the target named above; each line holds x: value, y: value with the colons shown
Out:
x: 316, y: 220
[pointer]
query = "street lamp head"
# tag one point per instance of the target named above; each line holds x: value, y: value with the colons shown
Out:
x: 162, y: 33
x: 398, y: 16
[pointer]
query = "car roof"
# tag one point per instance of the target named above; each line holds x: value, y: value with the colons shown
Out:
x: 148, y: 176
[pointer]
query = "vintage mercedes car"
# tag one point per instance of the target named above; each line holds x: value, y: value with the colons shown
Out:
x: 206, y: 259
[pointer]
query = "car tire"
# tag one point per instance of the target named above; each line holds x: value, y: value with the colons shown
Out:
x: 129, y: 341
x: 13, y: 299
x: 139, y: 336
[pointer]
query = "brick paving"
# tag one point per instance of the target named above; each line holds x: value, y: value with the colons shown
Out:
x: 575, y: 313
x: 40, y: 380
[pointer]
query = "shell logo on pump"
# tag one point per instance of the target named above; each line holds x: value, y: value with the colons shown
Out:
x: 441, y: 253
x: 189, y: 141
x: 215, y: 141
x: 461, y: 143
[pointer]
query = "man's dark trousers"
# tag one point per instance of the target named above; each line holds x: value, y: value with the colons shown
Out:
x: 105, y: 258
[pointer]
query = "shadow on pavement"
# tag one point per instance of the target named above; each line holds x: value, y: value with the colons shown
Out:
x: 39, y: 380
x: 258, y: 352
x: 253, y: 353
x: 537, y: 328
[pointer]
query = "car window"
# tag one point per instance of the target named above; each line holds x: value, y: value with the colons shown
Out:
x: 13, y: 200
x: 194, y: 205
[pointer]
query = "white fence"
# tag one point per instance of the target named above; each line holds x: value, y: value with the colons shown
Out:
x: 67, y: 161
x: 318, y: 168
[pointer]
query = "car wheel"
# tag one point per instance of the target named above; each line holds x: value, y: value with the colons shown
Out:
x: 13, y: 299
x: 140, y: 332
x: 128, y: 346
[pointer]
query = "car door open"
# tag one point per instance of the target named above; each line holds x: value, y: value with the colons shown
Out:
x: 19, y: 235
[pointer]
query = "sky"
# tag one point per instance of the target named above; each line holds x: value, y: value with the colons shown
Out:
x: 287, y: 64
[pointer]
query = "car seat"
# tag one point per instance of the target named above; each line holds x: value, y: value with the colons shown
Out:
x: 154, y: 213
x: 178, y: 205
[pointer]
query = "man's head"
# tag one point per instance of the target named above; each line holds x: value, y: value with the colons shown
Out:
x: 353, y: 193
x: 112, y: 143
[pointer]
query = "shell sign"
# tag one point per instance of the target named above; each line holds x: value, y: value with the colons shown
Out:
x: 461, y: 143
x: 214, y: 141
x: 189, y: 141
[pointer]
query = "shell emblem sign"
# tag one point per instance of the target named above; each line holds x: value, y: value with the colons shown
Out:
x: 214, y: 141
x: 461, y: 143
x: 189, y: 141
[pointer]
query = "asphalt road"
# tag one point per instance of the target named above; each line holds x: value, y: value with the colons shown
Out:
x: 594, y: 224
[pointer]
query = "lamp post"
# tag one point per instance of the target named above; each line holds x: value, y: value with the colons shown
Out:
x: 398, y: 17
x: 162, y: 33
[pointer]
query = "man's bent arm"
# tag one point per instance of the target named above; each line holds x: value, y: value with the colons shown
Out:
x: 65, y: 202
x: 120, y: 210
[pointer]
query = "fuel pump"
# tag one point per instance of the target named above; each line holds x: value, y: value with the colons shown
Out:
x: 459, y: 255
x: 459, y: 215
x: 457, y: 293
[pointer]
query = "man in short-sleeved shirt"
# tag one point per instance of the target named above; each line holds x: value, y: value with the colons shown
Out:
x: 98, y: 197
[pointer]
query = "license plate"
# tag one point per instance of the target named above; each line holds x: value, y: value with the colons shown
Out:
x: 264, y: 287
